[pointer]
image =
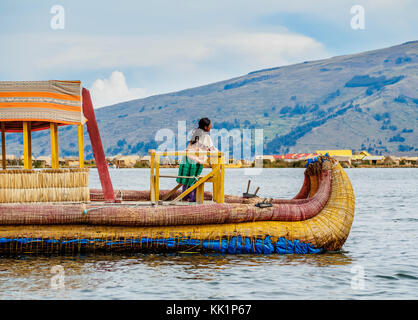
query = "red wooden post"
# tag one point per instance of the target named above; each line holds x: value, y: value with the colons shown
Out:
x: 96, y: 144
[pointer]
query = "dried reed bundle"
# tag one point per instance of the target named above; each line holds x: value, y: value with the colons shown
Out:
x: 53, y: 185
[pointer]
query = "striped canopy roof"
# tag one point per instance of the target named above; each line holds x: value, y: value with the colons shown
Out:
x: 40, y: 102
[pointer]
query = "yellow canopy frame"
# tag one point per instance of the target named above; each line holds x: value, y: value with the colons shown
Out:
x: 27, y: 145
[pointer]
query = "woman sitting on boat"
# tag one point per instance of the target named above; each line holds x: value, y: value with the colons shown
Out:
x: 192, y: 165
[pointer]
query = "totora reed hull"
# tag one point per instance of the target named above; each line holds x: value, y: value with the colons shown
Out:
x: 318, y: 219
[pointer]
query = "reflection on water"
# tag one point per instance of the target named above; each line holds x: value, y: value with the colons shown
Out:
x: 91, y: 276
x: 381, y: 243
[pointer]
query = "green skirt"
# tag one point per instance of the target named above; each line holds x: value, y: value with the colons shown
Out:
x: 189, y: 168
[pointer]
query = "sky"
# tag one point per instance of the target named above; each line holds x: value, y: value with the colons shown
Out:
x: 129, y: 49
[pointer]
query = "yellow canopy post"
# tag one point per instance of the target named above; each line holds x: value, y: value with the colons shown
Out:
x: 54, y: 146
x: 157, y: 177
x: 152, y: 176
x: 3, y: 146
x: 80, y: 146
x: 27, y: 145
x: 220, y: 197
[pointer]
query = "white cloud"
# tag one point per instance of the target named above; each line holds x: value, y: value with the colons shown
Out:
x: 169, y: 63
x: 260, y: 50
x: 113, y: 90
x: 80, y: 52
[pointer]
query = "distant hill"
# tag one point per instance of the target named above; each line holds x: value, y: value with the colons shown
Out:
x: 365, y: 101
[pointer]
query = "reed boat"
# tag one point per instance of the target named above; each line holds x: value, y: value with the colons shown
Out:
x: 54, y: 211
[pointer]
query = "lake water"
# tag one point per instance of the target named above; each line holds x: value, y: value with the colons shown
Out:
x: 378, y: 261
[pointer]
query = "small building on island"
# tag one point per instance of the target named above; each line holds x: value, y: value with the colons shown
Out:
x: 343, y: 156
x: 373, y: 160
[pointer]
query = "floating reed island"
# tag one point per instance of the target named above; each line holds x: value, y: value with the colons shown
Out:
x: 53, y: 211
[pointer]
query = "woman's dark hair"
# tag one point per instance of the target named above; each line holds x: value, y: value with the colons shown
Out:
x: 203, y: 123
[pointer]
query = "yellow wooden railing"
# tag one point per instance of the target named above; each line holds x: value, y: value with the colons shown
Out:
x: 216, y: 176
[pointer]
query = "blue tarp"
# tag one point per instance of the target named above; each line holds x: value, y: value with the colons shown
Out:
x: 235, y: 245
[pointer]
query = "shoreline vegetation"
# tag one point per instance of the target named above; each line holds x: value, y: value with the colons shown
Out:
x: 233, y: 168
x: 302, y: 164
x: 266, y: 164
x: 290, y: 164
